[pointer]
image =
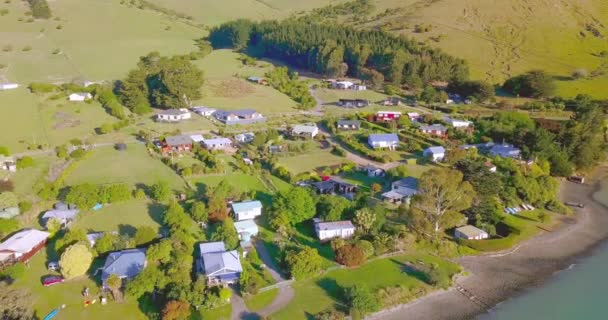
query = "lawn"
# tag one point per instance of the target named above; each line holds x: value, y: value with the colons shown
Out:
x: 311, y: 160
x: 221, y: 313
x: 123, y: 217
x: 25, y: 179
x: 133, y: 166
x: 322, y: 293
x: 261, y: 300
x: 226, y: 88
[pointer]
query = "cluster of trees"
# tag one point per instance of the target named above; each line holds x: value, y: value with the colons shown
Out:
x: 287, y: 82
x: 86, y: 195
x: 40, y: 9
x: 337, y: 50
x: 533, y: 84
x: 355, y: 8
x: 479, y: 90
x: 161, y: 82
x: 110, y: 102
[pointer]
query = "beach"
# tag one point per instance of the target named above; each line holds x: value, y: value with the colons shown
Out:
x: 496, y: 277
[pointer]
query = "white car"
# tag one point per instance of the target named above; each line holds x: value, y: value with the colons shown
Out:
x: 53, y: 266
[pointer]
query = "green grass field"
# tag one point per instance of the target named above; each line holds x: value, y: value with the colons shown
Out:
x: 133, y: 166
x: 122, y: 217
x: 322, y: 293
x: 311, y: 160
x: 261, y: 300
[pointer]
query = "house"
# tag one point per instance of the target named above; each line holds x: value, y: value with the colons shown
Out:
x: 243, y: 116
x: 22, y: 245
x: 457, y: 123
x: 244, y: 137
x: 8, y: 86
x: 126, y: 264
x: 342, y: 85
x: 359, y: 87
x: 335, y: 186
x: 402, y: 190
x: 203, y: 111
x: 197, y: 138
x: 179, y: 143
x: 491, y: 167
x: 221, y: 267
x: 219, y: 143
x: 436, y: 130
x: 247, y: 161
x: 258, y: 80
x: 335, y: 229
x: 392, y: 101
x: 80, y: 96
x: 348, y: 124
x: 93, y: 237
x: 9, y: 212
x: 353, y: 103
x: 275, y: 149
x: 373, y: 171
x: 8, y: 163
x: 246, y: 210
x: 173, y: 115
x: 383, y: 140
x: 436, y: 153
x: 470, y: 233
x: 414, y: 116
x: 246, y: 229
x: 505, y: 151
x: 387, y: 115
x: 65, y: 217
x: 308, y: 130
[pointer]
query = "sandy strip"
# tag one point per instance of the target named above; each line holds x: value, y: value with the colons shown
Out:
x: 496, y: 277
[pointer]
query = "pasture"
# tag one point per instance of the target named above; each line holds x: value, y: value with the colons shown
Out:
x: 311, y: 160
x: 123, y: 217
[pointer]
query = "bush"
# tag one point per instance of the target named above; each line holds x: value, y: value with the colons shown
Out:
x: 25, y: 206
x: 78, y: 154
x: 39, y: 87
x: 25, y: 162
x: 13, y: 272
x: 367, y: 247
x: 350, y: 255
x: 6, y: 185
x: 360, y: 299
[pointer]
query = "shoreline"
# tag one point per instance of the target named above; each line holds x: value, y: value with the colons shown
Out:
x: 496, y: 277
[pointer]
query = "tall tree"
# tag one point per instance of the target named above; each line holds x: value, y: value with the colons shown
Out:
x: 15, y: 303
x: 75, y: 260
x: 297, y: 203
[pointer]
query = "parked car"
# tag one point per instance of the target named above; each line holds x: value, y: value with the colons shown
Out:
x: 51, y: 280
x: 575, y: 204
x: 53, y: 266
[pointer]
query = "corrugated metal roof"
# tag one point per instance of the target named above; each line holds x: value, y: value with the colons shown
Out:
x: 216, y: 263
x: 207, y: 247
x: 60, y: 214
x: 24, y: 240
x: 383, y: 137
x: 246, y: 206
x: 335, y: 225
x: 470, y: 231
x: 126, y: 263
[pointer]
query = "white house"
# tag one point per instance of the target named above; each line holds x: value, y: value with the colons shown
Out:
x: 434, y: 153
x: 359, y: 87
x: 246, y: 210
x: 470, y: 233
x: 385, y: 140
x: 203, y: 111
x: 173, y: 115
x: 457, y: 123
x: 8, y: 86
x: 244, y: 137
x: 414, y: 116
x: 402, y: 190
x: 80, y: 96
x: 335, y: 229
x: 308, y: 130
x: 343, y: 85
x: 219, y: 143
x: 23, y: 245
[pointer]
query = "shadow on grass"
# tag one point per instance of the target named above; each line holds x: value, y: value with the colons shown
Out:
x: 305, y: 236
x: 412, y: 271
x: 264, y: 197
x: 149, y: 306
x: 524, y: 217
x: 156, y: 212
x: 126, y: 230
x: 334, y: 291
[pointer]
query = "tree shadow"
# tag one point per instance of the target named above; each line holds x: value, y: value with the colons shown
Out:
x: 334, y: 291
x: 149, y: 306
x: 201, y: 189
x: 51, y: 254
x: 563, y: 78
x: 156, y: 212
x: 126, y: 230
x: 147, y: 189
x: 265, y: 197
x: 412, y: 270
x: 524, y: 217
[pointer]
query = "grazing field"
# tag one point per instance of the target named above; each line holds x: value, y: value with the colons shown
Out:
x: 226, y: 86
x: 311, y: 160
x: 132, y: 166
x: 116, y: 36
x: 315, y: 295
x: 123, y: 217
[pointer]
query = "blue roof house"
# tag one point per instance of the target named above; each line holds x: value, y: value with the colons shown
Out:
x: 246, y: 229
x: 65, y: 217
x: 126, y: 264
x: 505, y: 151
x: 385, y: 140
x: 246, y: 210
x: 434, y: 153
x: 218, y: 265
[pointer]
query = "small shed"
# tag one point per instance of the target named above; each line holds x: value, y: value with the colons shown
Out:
x: 120, y: 146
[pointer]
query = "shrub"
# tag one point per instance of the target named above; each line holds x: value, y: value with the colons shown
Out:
x: 360, y: 299
x: 367, y: 247
x: 350, y: 255
x: 6, y: 185
x: 13, y: 272
x: 25, y: 162
x: 39, y: 87
x: 25, y: 206
x: 78, y: 154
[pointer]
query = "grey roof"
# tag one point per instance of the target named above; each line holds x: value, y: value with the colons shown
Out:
x: 505, y: 151
x: 216, y: 263
x: 393, y: 195
x: 335, y: 225
x: 383, y: 137
x: 203, y: 109
x: 60, y: 214
x: 24, y: 240
x: 178, y: 140
x: 239, y: 113
x: 410, y: 184
x: 356, y: 123
x: 207, y: 247
x: 245, y: 206
x: 124, y: 264
x: 172, y: 112
x: 246, y: 226
x: 216, y: 141
x: 435, y: 150
x: 304, y: 128
x: 434, y: 127
x: 470, y: 231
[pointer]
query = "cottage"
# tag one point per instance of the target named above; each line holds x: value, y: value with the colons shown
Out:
x: 435, y: 154
x: 373, y: 171
x: 388, y: 115
x: 414, y: 116
x: 275, y: 149
x: 244, y: 116
x: 22, y: 245
x: 221, y: 267
x: 402, y: 190
x: 353, y: 103
x: 8, y: 163
x: 65, y: 217
x: 359, y: 87
x: 308, y: 130
x: 219, y: 143
x: 80, y: 96
x: 436, y: 130
x: 125, y: 264
x: 197, y: 138
x: 246, y: 210
x: 348, y: 124
x: 9, y: 212
x: 173, y: 115
x: 181, y: 143
x: 203, y: 111
x: 342, y: 85
x: 246, y: 229
x: 505, y: 151
x: 457, y: 123
x: 470, y: 233
x: 335, y: 229
x: 335, y: 186
x: 8, y: 86
x: 244, y: 137
x: 383, y: 140
x: 392, y: 101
